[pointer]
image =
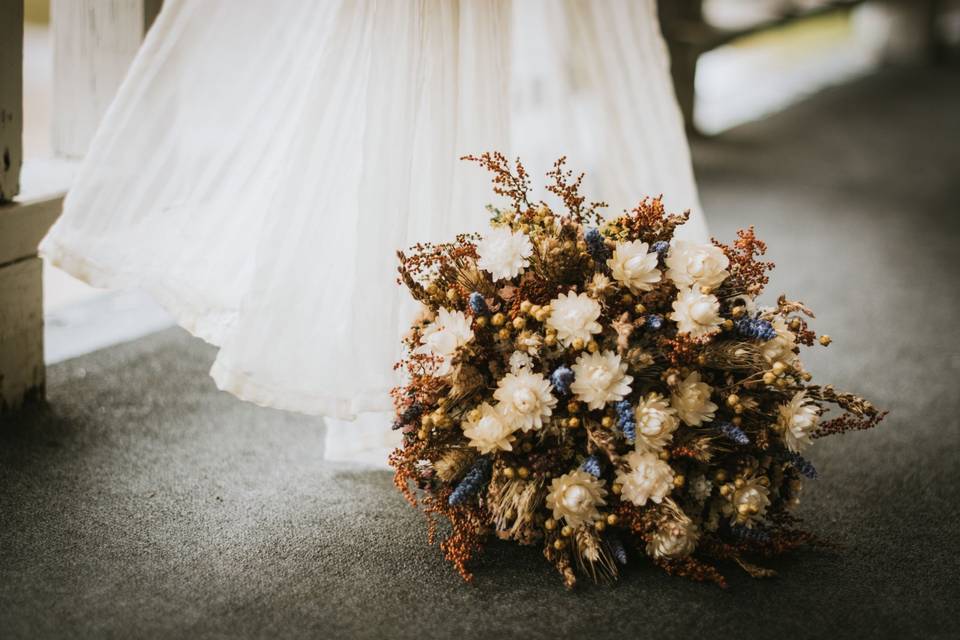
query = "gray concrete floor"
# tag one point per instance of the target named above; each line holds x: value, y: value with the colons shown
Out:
x: 142, y: 502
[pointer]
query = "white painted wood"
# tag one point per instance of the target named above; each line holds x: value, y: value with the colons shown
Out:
x: 23, y: 225
x: 22, y: 374
x: 94, y: 42
x: 44, y: 178
x: 11, y: 97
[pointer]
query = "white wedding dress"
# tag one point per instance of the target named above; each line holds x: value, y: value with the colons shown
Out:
x: 262, y: 163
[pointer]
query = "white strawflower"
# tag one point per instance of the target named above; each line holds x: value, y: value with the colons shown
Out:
x: 700, y: 488
x: 691, y: 264
x: 798, y: 419
x: 525, y: 399
x: 675, y: 538
x: 656, y: 422
x: 696, y: 313
x: 600, y: 378
x: 748, y: 503
x: 634, y: 266
x: 780, y: 349
x: 490, y: 432
x: 692, y: 401
x: 575, y: 497
x: 447, y: 333
x: 574, y: 316
x: 649, y: 478
x: 504, y: 253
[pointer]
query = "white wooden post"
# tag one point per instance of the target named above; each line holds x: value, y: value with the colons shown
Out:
x: 94, y: 42
x: 22, y: 373
x: 21, y: 325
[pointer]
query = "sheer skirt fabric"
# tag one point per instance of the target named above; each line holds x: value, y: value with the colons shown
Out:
x: 263, y: 162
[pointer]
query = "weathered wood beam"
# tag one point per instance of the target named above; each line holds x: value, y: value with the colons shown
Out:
x: 22, y: 372
x: 11, y: 97
x: 23, y: 225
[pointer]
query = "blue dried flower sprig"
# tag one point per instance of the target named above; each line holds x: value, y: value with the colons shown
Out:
x: 596, y: 246
x: 801, y: 464
x: 413, y: 412
x: 734, y: 433
x: 748, y: 534
x: 661, y: 248
x: 755, y: 328
x: 626, y: 420
x: 477, y: 304
x: 592, y: 466
x: 561, y: 379
x: 476, y: 477
x: 617, y: 550
x: 653, y: 322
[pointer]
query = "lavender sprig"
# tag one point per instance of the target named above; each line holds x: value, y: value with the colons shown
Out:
x: 596, y: 246
x: 801, y: 464
x: 561, y: 379
x: 476, y: 477
x: 653, y: 322
x: 626, y: 420
x: 747, y: 534
x: 661, y: 248
x: 592, y: 466
x: 477, y: 304
x: 617, y: 549
x: 734, y: 433
x: 755, y: 328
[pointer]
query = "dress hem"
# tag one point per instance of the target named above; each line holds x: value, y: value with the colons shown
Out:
x: 211, y: 325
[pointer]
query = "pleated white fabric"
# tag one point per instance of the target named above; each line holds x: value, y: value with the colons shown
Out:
x: 263, y: 162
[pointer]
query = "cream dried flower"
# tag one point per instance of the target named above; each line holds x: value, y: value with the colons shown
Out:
x: 600, y: 378
x: 696, y: 314
x: 780, y: 349
x: 691, y: 264
x: 748, y: 502
x: 798, y: 419
x: 600, y: 285
x: 575, y: 497
x: 574, y: 316
x: 504, y: 253
x: 649, y: 478
x: 656, y: 422
x: 490, y: 431
x: 675, y: 538
x: 530, y: 342
x: 442, y: 337
x: 525, y: 399
x: 519, y: 360
x: 700, y: 488
x: 692, y: 401
x: 634, y: 266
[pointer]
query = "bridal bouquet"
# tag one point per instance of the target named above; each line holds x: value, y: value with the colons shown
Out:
x: 604, y: 390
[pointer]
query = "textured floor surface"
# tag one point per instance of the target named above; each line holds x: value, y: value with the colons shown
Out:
x: 143, y: 503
